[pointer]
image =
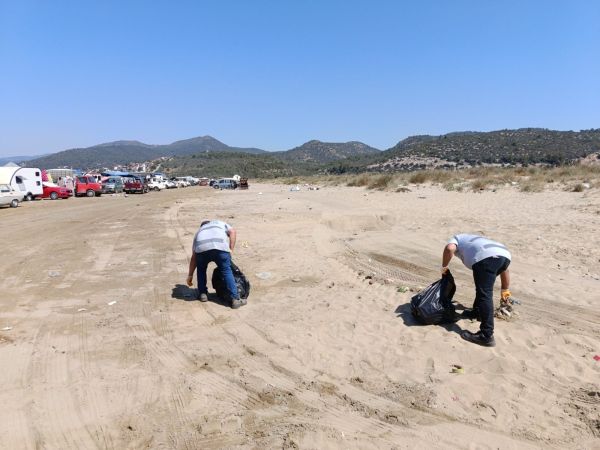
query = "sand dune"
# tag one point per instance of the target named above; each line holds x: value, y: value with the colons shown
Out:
x: 326, y: 353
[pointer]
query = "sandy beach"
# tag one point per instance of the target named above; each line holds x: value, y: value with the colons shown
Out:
x: 103, y: 346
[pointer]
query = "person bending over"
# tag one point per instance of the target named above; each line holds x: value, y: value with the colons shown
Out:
x: 213, y: 242
x: 487, y: 259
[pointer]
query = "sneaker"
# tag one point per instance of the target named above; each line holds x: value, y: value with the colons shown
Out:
x: 478, y: 338
x: 203, y: 298
x: 236, y: 303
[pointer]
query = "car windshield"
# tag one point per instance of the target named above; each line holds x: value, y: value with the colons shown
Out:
x: 4, y: 188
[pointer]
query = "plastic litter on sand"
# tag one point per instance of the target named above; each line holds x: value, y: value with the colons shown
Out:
x: 81, y: 309
x: 6, y: 328
x: 457, y: 368
x: 112, y: 303
x: 264, y: 275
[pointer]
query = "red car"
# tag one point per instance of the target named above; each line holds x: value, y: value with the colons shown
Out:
x: 53, y: 191
x: 87, y: 186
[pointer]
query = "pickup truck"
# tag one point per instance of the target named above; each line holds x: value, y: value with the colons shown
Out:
x: 87, y: 186
x: 135, y: 185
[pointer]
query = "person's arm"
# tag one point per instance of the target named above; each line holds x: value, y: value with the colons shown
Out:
x: 505, y: 285
x: 192, y: 268
x: 449, y: 251
x: 232, y: 237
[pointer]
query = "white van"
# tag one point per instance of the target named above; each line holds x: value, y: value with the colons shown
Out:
x: 27, y: 181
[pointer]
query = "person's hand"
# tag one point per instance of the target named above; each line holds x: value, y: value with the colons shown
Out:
x: 444, y: 270
x: 505, y: 295
x: 190, y: 280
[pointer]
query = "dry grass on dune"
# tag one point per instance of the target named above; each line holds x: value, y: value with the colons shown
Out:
x: 575, y: 178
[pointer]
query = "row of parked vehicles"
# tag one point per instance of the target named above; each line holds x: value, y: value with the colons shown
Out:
x: 22, y: 183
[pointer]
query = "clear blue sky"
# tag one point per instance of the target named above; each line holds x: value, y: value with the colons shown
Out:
x: 274, y: 74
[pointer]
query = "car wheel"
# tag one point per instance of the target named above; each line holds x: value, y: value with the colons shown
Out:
x: 90, y: 193
x: 53, y: 195
x: 14, y: 203
x: 28, y: 197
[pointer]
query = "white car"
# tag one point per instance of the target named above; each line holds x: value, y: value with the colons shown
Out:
x: 8, y: 196
x: 156, y: 184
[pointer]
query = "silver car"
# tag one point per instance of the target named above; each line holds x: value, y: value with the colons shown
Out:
x: 9, y: 197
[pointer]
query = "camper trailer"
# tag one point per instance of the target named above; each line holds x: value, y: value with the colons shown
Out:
x: 27, y: 181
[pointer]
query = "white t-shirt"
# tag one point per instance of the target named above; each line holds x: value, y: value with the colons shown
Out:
x: 471, y: 248
x: 213, y: 235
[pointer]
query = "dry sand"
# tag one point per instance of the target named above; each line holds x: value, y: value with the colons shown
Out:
x: 325, y: 354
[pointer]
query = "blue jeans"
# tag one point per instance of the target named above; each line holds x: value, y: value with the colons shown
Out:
x: 484, y: 275
x: 223, y: 261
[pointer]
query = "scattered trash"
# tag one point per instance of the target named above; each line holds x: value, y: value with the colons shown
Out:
x: 597, y: 357
x: 81, y: 309
x: 245, y: 244
x: 295, y: 280
x: 144, y: 263
x: 260, y: 193
x: 6, y: 328
x: 295, y: 188
x: 264, y: 275
x: 402, y: 289
x: 330, y: 285
x: 112, y: 303
x: 457, y: 368
x: 53, y: 273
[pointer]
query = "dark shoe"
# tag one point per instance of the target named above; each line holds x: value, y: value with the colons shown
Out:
x: 203, y: 298
x: 478, y: 338
x: 236, y: 303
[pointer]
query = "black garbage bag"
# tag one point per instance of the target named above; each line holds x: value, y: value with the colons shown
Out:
x: 219, y: 285
x: 433, y: 305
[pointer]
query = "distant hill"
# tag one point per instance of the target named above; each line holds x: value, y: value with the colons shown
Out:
x: 207, y: 156
x: 226, y: 164
x: 525, y: 145
x: 323, y: 152
x: 123, y: 152
x: 464, y: 149
x: 17, y: 159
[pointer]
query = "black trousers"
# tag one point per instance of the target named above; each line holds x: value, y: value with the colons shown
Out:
x: 484, y: 275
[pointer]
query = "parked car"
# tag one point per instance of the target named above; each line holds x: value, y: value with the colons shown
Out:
x: 181, y: 182
x: 112, y: 185
x: 225, y: 183
x: 135, y: 185
x: 88, y: 186
x: 156, y: 184
x: 54, y: 191
x: 8, y: 196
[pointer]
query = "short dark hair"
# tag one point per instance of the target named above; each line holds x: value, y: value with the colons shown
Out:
x: 204, y: 222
